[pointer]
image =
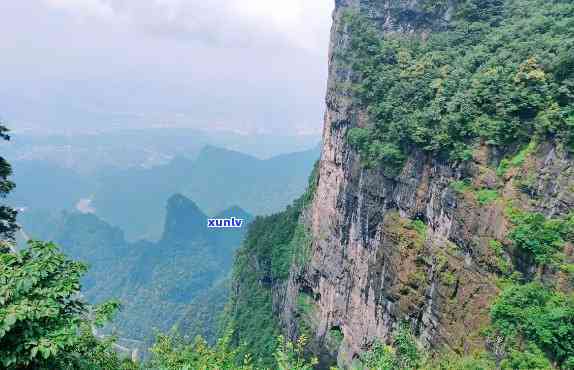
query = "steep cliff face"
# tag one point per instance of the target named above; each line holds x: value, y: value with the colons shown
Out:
x: 412, y: 247
x: 445, y: 185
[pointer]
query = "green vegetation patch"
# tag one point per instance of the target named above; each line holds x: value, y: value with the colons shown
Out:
x: 406, y: 354
x: 461, y: 186
x: 535, y: 320
x: 537, y: 323
x: 420, y: 227
x: 305, y: 304
x: 448, y: 278
x: 540, y: 237
x: 568, y: 268
x: 301, y: 245
x: 486, y: 196
x: 272, y: 245
x: 503, y: 265
x: 336, y: 334
x: 496, y: 75
x: 517, y: 160
x: 482, y: 196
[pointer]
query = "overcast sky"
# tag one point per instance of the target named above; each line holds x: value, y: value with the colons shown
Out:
x: 99, y: 64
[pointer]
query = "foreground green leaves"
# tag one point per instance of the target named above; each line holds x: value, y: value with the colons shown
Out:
x: 172, y: 352
x: 44, y: 324
x: 290, y: 356
x: 40, y: 312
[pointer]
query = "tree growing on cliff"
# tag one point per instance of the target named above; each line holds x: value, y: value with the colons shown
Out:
x: 537, y: 322
x: 7, y: 214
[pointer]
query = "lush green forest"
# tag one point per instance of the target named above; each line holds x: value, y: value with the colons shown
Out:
x: 501, y: 73
x: 271, y: 246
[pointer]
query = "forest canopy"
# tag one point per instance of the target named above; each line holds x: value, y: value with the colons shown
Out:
x: 500, y: 73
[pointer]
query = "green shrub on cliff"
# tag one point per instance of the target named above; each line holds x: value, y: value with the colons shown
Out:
x: 516, y: 160
x: 403, y: 354
x: 530, y: 357
x: 537, y: 321
x: 540, y: 237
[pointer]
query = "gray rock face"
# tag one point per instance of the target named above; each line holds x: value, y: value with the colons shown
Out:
x: 369, y: 269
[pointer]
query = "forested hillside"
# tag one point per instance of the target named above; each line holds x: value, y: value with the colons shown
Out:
x: 155, y: 281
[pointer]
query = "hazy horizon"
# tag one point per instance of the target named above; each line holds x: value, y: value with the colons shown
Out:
x: 81, y: 65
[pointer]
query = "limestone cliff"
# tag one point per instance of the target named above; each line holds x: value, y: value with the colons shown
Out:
x: 410, y: 247
x: 431, y: 241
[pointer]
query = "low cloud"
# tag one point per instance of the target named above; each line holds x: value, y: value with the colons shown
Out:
x: 93, y: 8
x: 247, y: 65
x: 238, y: 23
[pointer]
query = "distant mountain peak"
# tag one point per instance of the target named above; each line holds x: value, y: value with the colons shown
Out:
x: 235, y: 211
x: 184, y: 219
x: 181, y: 201
x: 210, y: 151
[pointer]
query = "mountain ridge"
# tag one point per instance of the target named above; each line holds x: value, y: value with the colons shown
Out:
x: 156, y: 281
x: 220, y: 179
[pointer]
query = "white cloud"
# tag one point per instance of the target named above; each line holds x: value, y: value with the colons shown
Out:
x: 300, y: 23
x: 96, y: 8
x: 243, y: 63
x: 303, y: 22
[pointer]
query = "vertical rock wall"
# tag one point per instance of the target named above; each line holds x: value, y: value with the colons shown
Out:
x: 370, y: 268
